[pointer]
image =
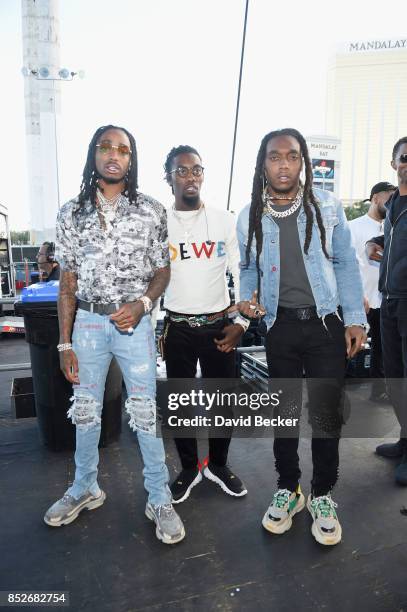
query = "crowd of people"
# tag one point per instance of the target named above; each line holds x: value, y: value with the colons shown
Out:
x: 296, y: 263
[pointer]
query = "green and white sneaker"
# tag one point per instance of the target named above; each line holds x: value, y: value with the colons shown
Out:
x: 284, y: 505
x: 326, y: 528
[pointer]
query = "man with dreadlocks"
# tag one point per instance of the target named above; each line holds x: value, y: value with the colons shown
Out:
x: 203, y: 244
x: 296, y: 249
x: 112, y: 246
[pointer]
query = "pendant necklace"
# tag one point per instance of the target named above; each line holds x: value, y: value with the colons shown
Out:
x: 106, y: 208
x: 188, y: 234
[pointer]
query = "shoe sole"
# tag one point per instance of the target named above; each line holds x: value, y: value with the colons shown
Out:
x: 160, y: 535
x: 86, y: 506
x: 208, y: 474
x: 282, y: 528
x: 320, y: 537
x: 196, y: 481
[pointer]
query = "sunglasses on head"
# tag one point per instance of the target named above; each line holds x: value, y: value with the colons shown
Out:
x: 107, y: 147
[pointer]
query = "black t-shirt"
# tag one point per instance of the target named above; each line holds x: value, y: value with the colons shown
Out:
x: 54, y: 275
x: 295, y: 290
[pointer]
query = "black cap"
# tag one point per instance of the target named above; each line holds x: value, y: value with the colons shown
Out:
x: 383, y: 186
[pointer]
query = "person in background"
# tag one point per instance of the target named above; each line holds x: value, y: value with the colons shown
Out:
x: 48, y: 267
x: 390, y: 249
x: 362, y: 228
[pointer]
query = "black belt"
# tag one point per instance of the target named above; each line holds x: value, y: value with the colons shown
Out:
x: 99, y: 308
x: 297, y: 314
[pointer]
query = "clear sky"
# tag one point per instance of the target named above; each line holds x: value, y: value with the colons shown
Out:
x: 167, y: 70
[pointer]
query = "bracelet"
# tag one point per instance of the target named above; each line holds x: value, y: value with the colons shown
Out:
x: 239, y: 320
x: 148, y: 304
x: 67, y: 346
x: 245, y: 317
x: 364, y: 326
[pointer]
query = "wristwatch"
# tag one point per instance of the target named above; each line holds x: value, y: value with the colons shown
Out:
x: 148, y: 304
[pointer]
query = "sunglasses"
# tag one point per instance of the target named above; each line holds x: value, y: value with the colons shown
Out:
x: 107, y: 147
x: 183, y: 171
x: 403, y: 158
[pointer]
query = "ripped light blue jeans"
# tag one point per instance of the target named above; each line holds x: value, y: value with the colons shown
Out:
x: 95, y: 341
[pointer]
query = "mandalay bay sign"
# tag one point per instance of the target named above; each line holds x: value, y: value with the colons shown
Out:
x: 378, y: 45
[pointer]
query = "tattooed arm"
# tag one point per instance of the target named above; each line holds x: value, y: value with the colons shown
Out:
x: 160, y: 258
x: 66, y: 313
x: 68, y: 284
x: 158, y: 283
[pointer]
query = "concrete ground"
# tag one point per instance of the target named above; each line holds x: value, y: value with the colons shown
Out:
x: 110, y: 559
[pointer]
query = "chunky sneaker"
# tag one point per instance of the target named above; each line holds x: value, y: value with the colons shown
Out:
x: 184, y: 482
x: 391, y: 451
x: 170, y: 528
x: 67, y: 509
x: 326, y: 528
x: 284, y: 505
x: 224, y: 477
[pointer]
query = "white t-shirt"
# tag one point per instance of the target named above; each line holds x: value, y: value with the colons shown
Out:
x: 362, y: 229
x: 203, y: 244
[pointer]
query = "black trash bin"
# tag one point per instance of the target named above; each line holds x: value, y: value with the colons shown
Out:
x: 52, y: 391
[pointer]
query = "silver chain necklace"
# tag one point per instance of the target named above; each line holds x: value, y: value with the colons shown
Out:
x: 281, y: 214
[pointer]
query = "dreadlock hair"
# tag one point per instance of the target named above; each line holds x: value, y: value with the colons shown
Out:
x: 90, y: 174
x: 256, y: 207
x: 396, y: 147
x: 180, y: 150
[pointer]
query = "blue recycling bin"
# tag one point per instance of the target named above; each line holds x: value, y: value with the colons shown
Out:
x: 34, y: 277
x: 38, y: 306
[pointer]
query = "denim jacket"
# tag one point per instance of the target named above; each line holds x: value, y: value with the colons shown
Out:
x: 333, y: 282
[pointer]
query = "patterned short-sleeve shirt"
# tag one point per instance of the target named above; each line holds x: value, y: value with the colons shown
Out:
x: 116, y: 263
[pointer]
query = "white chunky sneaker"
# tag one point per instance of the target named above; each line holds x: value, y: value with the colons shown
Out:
x: 284, y: 505
x: 326, y: 528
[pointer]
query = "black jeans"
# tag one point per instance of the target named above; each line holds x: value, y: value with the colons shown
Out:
x: 184, y: 345
x: 295, y: 347
x: 376, y: 358
x: 393, y: 320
